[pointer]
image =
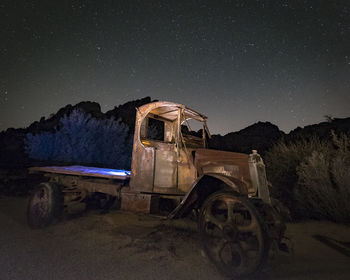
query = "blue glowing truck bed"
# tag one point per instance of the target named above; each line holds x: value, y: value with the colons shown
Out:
x: 85, y: 171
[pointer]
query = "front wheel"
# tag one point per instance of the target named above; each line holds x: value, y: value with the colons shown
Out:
x: 45, y: 205
x: 232, y: 234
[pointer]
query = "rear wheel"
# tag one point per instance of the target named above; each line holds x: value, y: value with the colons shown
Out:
x: 45, y: 205
x: 232, y: 234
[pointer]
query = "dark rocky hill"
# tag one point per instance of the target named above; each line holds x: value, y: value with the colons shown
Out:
x: 322, y: 130
x: 127, y: 112
x: 259, y: 136
x: 92, y: 108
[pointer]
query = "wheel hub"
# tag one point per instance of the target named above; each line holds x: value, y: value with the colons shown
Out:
x: 230, y: 233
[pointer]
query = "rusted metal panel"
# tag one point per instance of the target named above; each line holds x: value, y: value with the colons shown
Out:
x: 142, y: 169
x: 142, y: 165
x: 106, y: 186
x: 258, y: 177
x: 169, y: 110
x: 111, y: 189
x: 227, y: 163
x: 165, y: 175
x: 137, y: 202
x: 187, y: 172
x: 84, y: 171
x: 169, y: 134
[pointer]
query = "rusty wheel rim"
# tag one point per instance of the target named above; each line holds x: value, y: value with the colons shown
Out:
x: 232, y: 235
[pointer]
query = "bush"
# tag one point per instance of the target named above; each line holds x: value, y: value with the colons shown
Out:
x: 282, y: 161
x: 40, y: 146
x: 81, y: 139
x: 323, y: 189
x: 312, y: 177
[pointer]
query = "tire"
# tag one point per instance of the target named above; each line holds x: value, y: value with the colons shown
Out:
x: 232, y: 234
x: 45, y: 205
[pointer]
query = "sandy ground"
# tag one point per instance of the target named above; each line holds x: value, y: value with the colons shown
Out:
x: 128, y: 246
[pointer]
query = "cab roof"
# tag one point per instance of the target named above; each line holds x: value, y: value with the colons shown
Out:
x: 169, y: 110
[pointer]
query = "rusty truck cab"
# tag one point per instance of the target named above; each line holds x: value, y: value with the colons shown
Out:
x: 162, y: 159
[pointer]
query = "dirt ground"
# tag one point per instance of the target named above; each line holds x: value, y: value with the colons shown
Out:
x: 121, y: 245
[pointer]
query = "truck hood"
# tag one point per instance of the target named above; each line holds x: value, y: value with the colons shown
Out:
x: 221, y: 162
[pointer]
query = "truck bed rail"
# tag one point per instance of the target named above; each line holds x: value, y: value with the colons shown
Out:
x: 84, y: 171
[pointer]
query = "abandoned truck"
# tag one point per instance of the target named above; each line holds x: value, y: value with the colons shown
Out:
x: 227, y: 192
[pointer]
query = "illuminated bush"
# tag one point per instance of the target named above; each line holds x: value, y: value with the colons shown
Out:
x: 81, y: 139
x: 312, y: 177
x: 282, y: 161
x: 40, y: 146
x: 323, y: 189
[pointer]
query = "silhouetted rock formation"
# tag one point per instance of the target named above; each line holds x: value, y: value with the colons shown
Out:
x: 321, y: 130
x: 127, y: 112
x: 92, y: 108
x: 259, y: 136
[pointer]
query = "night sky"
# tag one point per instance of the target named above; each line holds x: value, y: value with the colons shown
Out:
x: 238, y: 62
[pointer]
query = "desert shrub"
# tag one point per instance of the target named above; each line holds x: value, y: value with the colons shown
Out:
x: 282, y: 161
x: 40, y: 146
x: 312, y: 177
x: 81, y: 139
x: 323, y: 189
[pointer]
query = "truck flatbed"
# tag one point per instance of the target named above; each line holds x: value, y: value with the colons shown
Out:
x: 85, y: 171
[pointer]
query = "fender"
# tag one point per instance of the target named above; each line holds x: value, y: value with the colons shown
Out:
x: 199, y: 192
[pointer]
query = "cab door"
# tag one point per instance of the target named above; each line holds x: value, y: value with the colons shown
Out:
x: 165, y: 161
x: 165, y: 172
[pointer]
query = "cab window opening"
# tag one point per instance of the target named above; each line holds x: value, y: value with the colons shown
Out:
x: 155, y: 129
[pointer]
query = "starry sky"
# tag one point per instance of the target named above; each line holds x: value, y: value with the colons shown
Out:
x: 238, y: 62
